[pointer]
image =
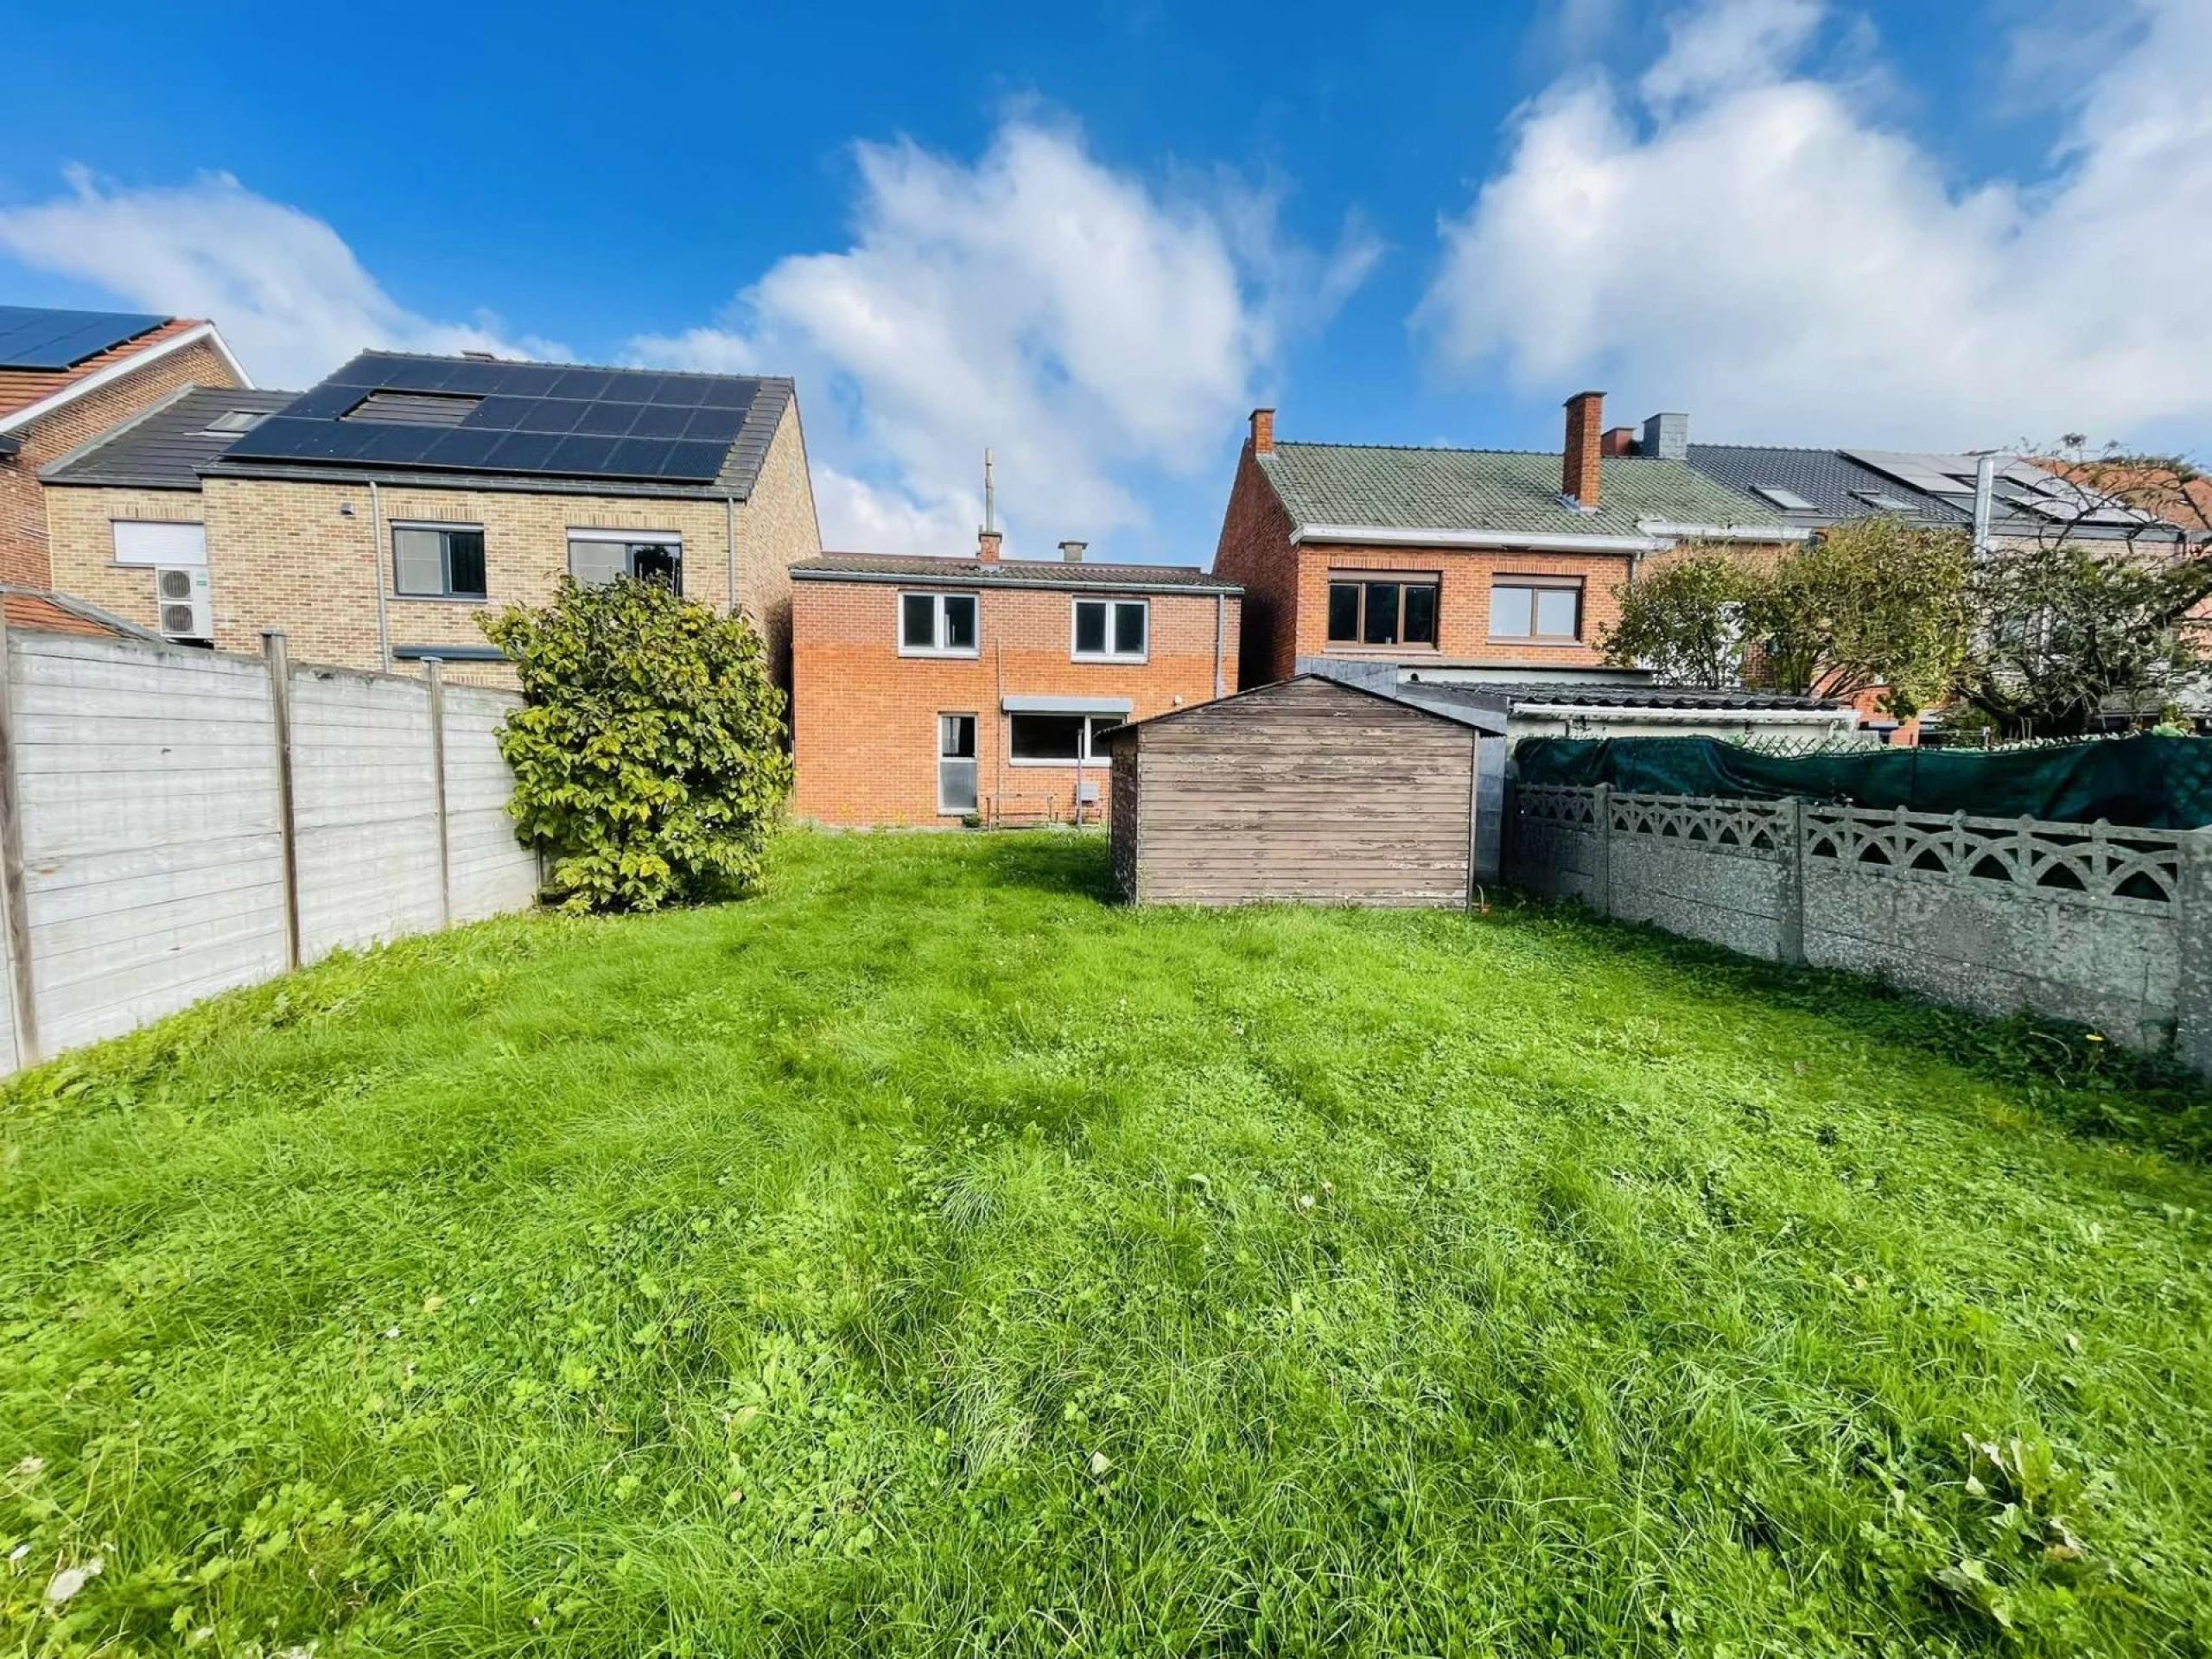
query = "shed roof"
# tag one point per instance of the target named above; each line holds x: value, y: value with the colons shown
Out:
x: 1500, y: 490
x: 1487, y: 720
x: 163, y: 445
x: 1590, y: 695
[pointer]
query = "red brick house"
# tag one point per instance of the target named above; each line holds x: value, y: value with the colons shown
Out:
x: 926, y: 691
x: 68, y: 376
x: 1457, y: 564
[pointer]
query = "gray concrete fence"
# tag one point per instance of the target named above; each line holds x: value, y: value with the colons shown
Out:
x: 2093, y: 922
x: 176, y: 823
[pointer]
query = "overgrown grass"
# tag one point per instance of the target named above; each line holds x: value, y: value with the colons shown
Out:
x: 929, y: 1257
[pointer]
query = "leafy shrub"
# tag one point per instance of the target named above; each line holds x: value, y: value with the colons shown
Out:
x: 649, y: 756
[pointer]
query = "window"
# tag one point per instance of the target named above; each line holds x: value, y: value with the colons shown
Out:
x: 1529, y: 608
x: 140, y: 541
x: 1388, y: 613
x: 1787, y: 500
x: 438, y: 561
x: 956, y: 762
x: 936, y: 624
x: 601, y: 555
x: 1110, y: 630
x: 1044, y: 739
x: 232, y: 421
x: 1881, y: 501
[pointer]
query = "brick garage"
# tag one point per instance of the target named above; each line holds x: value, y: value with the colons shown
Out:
x: 866, y: 715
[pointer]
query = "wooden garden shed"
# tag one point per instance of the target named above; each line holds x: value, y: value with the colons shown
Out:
x: 1311, y: 789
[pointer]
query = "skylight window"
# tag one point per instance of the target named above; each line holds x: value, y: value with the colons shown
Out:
x: 1787, y: 500
x: 233, y: 421
x: 1882, y: 502
x: 391, y: 408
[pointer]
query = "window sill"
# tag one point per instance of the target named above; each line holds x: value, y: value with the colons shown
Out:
x: 941, y: 656
x: 1520, y: 640
x: 1110, y: 661
x: 1345, y: 647
x: 440, y: 599
x: 1091, y: 764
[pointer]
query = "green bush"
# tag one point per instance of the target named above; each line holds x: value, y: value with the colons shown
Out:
x: 649, y: 756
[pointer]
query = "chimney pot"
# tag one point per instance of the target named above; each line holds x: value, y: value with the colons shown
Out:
x: 1666, y: 436
x: 1263, y: 431
x: 987, y: 545
x: 1072, y: 551
x: 1579, y: 468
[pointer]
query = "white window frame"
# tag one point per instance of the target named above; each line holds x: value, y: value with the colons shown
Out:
x: 445, y: 571
x: 974, y: 762
x: 1086, y: 757
x: 1110, y: 655
x: 172, y: 557
x: 937, y: 630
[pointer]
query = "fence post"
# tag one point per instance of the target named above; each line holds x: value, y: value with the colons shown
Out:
x: 280, y: 707
x: 434, y: 675
x: 2193, y: 942
x: 22, y: 994
x: 1791, y: 943
x: 1602, y: 885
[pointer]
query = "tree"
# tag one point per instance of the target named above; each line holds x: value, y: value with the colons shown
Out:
x: 1686, y: 620
x: 649, y: 754
x: 1872, y: 603
x: 2094, y: 611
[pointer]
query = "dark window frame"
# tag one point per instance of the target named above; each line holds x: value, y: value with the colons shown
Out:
x: 1112, y: 606
x: 1534, y: 587
x: 940, y: 624
x: 1360, y: 585
x: 632, y: 544
x: 1089, y: 752
x: 446, y: 590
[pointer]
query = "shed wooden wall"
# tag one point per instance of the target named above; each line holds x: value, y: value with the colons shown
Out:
x: 1306, y: 790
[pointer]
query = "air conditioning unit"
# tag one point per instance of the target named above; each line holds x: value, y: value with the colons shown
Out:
x: 180, y: 596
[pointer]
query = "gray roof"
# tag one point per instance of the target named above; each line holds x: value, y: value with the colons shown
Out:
x: 163, y: 445
x: 1835, y: 484
x: 1491, y: 721
x: 1008, y: 573
x: 319, y: 435
x: 1589, y: 694
x: 1500, y: 489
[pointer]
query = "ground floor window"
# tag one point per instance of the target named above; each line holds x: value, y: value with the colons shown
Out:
x: 1062, y: 740
x: 597, y: 556
x: 1529, y: 608
x: 956, y: 762
x: 1392, y: 612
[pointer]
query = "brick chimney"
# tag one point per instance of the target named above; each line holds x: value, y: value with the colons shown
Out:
x: 1619, y: 441
x: 1586, y: 415
x: 1072, y: 551
x: 1263, y: 431
x: 987, y: 545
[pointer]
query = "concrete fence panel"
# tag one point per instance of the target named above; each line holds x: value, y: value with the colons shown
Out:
x: 168, y: 816
x: 2102, y: 923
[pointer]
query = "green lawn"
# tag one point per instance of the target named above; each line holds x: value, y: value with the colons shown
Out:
x: 931, y: 1257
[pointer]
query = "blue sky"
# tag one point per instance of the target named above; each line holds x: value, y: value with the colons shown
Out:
x: 1093, y: 237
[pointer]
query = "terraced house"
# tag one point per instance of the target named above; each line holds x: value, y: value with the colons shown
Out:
x: 929, y: 690
x: 375, y: 516
x: 1460, y: 564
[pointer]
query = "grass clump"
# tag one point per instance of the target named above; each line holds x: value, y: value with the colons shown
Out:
x: 931, y: 1258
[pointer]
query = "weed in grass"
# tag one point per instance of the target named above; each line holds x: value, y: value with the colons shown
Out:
x: 929, y: 1258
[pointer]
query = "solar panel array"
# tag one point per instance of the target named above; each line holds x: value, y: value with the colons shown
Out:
x: 32, y: 337
x: 534, y: 418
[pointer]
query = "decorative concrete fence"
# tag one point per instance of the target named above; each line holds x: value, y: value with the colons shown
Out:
x: 176, y: 823
x: 2102, y: 923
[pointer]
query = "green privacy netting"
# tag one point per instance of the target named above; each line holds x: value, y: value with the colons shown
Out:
x: 2158, y: 782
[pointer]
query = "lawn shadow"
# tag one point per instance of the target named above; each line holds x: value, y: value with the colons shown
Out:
x: 2063, y: 1071
x: 1063, y: 862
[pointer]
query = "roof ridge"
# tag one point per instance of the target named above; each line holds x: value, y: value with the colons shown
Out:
x: 563, y: 363
x: 1450, y: 449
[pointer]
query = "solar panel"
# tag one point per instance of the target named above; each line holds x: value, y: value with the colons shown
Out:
x: 546, y: 419
x: 32, y: 337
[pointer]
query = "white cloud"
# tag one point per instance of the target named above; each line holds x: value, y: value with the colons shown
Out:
x: 1082, y: 324
x: 1744, y: 241
x: 285, y: 289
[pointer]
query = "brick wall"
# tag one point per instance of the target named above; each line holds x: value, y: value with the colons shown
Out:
x: 776, y: 526
x: 1464, y: 576
x: 80, y: 544
x: 1255, y: 551
x: 23, y: 555
x: 864, y: 718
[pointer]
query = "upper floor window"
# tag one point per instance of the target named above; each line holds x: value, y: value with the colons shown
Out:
x: 1530, y: 607
x: 1382, y: 611
x: 600, y: 555
x: 1111, y: 630
x: 438, y: 560
x: 936, y: 624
